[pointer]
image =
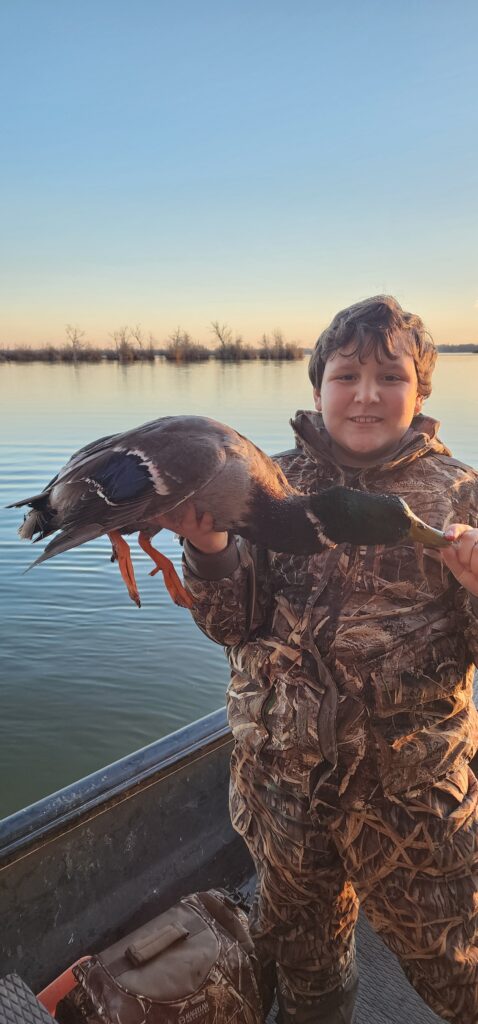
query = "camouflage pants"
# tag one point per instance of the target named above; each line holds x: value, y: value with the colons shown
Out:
x: 412, y: 864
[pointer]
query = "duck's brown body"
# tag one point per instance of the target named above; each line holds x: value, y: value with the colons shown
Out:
x: 126, y: 483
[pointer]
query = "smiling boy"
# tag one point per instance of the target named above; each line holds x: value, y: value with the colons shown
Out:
x: 351, y: 696
x: 367, y: 405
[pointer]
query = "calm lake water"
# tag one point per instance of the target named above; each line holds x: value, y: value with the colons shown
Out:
x: 86, y: 677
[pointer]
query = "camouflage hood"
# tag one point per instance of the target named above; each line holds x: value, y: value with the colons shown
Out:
x: 420, y: 439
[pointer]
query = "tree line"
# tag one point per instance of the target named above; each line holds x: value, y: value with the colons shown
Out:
x: 458, y: 348
x: 130, y: 345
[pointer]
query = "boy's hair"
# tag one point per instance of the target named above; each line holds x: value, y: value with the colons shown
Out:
x: 377, y: 325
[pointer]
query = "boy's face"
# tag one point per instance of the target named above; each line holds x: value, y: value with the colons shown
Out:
x: 367, y: 407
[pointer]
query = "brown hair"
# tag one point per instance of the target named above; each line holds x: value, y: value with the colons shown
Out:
x: 377, y: 325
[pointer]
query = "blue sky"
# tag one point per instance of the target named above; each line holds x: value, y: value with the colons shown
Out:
x: 260, y: 163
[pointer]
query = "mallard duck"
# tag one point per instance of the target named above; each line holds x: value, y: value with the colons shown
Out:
x: 125, y: 483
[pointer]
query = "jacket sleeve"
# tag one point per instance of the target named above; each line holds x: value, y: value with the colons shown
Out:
x: 230, y: 590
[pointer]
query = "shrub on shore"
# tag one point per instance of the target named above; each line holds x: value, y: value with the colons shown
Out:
x: 51, y: 354
x: 236, y: 352
x: 230, y: 349
x: 87, y: 354
x: 67, y: 354
x: 125, y: 349
x: 277, y: 348
x: 182, y: 349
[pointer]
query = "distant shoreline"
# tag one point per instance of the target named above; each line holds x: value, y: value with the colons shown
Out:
x: 458, y: 348
x: 128, y: 354
x: 193, y: 353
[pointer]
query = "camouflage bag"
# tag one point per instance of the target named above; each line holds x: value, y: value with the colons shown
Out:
x: 194, y: 964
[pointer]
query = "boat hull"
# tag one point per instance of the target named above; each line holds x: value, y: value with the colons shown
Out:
x: 90, y: 863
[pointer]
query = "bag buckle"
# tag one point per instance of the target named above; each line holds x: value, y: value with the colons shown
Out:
x: 234, y: 898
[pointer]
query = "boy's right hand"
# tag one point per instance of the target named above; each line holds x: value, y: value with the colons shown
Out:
x: 197, y: 529
x: 462, y: 556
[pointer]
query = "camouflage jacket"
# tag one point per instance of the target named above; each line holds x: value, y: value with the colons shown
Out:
x: 357, y: 661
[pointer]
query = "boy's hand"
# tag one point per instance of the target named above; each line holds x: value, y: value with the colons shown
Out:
x: 197, y: 529
x: 462, y: 556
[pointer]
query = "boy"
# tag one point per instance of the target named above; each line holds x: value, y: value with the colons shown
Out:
x: 350, y: 699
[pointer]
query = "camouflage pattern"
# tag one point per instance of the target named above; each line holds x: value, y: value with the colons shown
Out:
x: 76, y: 1008
x: 355, y: 680
x: 210, y: 977
x: 412, y: 863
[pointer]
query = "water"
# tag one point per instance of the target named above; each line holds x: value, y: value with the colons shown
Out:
x: 85, y: 676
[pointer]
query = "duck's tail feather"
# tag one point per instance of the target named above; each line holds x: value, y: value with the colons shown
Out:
x: 40, y: 518
x: 68, y: 539
x: 28, y: 501
x: 34, y: 522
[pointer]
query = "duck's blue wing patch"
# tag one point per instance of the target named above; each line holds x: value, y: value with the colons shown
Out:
x: 123, y: 476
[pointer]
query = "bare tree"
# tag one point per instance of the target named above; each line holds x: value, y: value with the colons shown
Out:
x: 74, y: 338
x: 182, y: 348
x: 121, y: 337
x: 137, y: 334
x: 125, y: 351
x: 222, y: 332
x: 149, y: 352
x: 178, y: 337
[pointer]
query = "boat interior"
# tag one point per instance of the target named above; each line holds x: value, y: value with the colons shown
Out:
x: 89, y: 864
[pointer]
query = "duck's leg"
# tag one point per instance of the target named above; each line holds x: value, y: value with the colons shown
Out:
x: 176, y: 589
x: 123, y: 554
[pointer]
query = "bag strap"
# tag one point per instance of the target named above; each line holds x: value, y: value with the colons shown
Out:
x: 142, y: 951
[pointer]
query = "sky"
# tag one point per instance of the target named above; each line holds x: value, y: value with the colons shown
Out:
x: 258, y: 162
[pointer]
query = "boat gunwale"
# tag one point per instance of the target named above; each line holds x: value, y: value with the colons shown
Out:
x: 40, y: 820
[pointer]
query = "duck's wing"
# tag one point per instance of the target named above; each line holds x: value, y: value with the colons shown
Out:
x: 76, y: 460
x: 149, y: 471
x: 125, y: 481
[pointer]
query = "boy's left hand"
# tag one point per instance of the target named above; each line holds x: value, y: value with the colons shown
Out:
x: 462, y: 556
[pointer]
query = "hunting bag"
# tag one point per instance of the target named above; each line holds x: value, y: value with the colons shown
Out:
x: 194, y: 964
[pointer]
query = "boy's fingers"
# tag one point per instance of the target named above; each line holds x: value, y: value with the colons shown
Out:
x: 192, y: 520
x: 189, y: 523
x: 464, y: 540
x: 189, y: 519
x: 455, y: 530
x: 206, y: 523
x: 465, y: 546
x: 462, y: 556
x: 177, y: 519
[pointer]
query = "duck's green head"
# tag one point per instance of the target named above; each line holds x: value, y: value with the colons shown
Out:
x: 359, y: 517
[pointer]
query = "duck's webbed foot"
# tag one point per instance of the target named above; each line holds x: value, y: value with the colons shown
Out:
x: 176, y: 589
x: 123, y: 554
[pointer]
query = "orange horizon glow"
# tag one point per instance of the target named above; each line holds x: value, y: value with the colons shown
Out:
x: 455, y: 329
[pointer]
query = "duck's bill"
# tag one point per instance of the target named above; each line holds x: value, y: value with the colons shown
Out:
x: 427, y: 535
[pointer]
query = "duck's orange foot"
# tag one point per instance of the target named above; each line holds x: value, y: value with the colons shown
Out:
x: 176, y: 589
x: 123, y: 554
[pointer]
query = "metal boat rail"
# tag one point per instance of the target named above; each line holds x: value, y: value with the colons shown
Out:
x: 68, y: 805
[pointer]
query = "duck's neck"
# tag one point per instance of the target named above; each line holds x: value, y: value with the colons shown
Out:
x: 288, y: 525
